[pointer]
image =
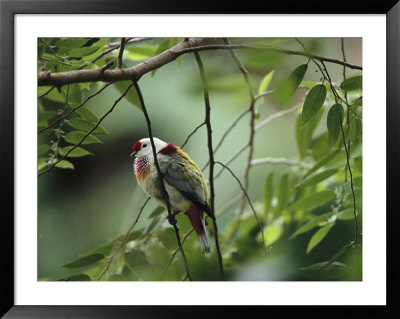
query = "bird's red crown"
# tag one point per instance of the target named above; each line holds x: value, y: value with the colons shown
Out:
x: 137, y: 146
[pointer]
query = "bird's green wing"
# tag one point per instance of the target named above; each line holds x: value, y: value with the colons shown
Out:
x: 183, y: 174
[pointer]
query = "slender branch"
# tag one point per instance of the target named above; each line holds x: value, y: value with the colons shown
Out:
x: 45, y: 93
x: 351, y: 186
x: 124, y: 240
x: 88, y: 133
x: 265, y: 48
x: 75, y: 108
x: 345, y: 97
x: 132, y: 73
x: 171, y: 217
x: 120, y: 53
x: 211, y: 157
x: 276, y: 160
x: 252, y: 123
x: 248, y: 200
x: 276, y: 115
x: 191, y: 134
x: 176, y: 251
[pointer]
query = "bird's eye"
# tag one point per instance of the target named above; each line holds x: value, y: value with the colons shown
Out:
x: 144, y: 145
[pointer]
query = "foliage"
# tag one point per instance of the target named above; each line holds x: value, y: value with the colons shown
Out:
x: 300, y: 207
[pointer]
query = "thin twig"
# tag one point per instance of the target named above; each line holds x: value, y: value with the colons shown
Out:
x: 75, y: 108
x: 351, y: 186
x: 265, y: 48
x: 191, y: 134
x: 120, y: 53
x: 348, y: 150
x: 276, y: 160
x: 175, y: 252
x: 248, y: 200
x: 171, y: 217
x: 211, y: 157
x: 252, y: 122
x: 88, y: 133
x: 45, y: 93
x: 124, y: 240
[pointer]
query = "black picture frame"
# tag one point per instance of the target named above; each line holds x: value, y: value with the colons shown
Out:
x: 8, y: 10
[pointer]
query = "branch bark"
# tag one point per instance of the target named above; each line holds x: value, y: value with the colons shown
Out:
x: 133, y: 73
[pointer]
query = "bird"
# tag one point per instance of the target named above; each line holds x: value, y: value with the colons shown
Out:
x: 183, y: 180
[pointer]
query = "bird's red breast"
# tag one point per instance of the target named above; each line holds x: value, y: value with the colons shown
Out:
x: 142, y: 168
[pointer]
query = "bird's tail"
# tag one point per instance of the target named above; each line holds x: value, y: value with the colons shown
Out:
x: 196, y: 219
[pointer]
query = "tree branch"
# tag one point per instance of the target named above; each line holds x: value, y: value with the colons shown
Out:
x: 277, y: 50
x: 133, y: 73
x: 249, y: 201
x: 211, y: 157
x: 171, y: 217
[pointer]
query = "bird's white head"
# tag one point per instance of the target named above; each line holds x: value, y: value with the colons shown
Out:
x: 143, y: 148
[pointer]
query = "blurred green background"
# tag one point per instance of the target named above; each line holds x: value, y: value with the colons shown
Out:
x: 82, y: 209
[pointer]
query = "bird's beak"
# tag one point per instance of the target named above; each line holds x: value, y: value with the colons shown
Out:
x: 133, y: 153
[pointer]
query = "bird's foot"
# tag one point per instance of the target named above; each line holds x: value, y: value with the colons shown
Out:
x: 171, y: 218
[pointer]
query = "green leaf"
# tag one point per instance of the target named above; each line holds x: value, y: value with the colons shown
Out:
x: 287, y: 88
x: 65, y: 164
x: 156, y: 212
x: 352, y: 84
x: 84, y: 261
x: 313, y: 103
x: 76, y: 136
x: 325, y: 160
x: 79, y: 277
x: 355, y: 130
x: 168, y: 238
x: 312, y: 201
x: 70, y: 43
x: 87, y: 114
x: 320, y: 146
x: 305, y: 132
x: 117, y: 277
x: 100, y: 43
x: 152, y: 225
x: 74, y: 93
x: 81, y: 52
x: 77, y: 152
x: 86, y: 126
x: 358, y: 164
x: 131, y: 96
x: 268, y: 193
x: 43, y: 89
x: 273, y: 231
x: 325, y: 265
x: 135, y: 234
x: 265, y: 83
x: 46, y: 115
x: 141, y: 52
x: 346, y: 214
x: 42, y: 163
x: 317, y: 178
x: 313, y: 222
x: 140, y: 265
x: 318, y: 237
x: 334, y: 121
x: 43, y: 149
x: 282, y: 194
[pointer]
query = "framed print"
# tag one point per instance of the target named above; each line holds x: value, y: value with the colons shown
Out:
x: 156, y: 157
